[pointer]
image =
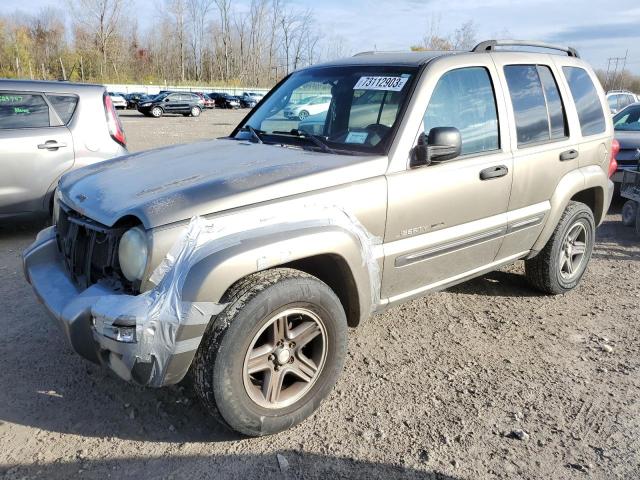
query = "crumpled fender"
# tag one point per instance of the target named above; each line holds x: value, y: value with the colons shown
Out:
x: 278, y: 240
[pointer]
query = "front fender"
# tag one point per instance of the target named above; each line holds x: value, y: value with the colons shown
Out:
x: 211, y: 277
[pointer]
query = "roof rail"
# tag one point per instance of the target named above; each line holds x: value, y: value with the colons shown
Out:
x: 490, y: 45
x: 378, y: 52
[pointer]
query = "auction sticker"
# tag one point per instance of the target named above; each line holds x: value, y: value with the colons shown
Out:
x: 393, y: 84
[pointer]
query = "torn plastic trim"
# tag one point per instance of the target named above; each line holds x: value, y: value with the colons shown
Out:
x: 159, y: 314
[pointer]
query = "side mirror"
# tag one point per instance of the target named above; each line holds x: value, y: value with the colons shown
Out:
x: 442, y: 144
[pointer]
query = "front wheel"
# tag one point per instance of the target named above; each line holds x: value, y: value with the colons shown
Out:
x: 195, y: 111
x: 560, y: 265
x: 275, y: 352
x: 156, y: 112
x: 303, y: 114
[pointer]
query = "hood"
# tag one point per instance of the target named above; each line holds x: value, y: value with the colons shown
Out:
x: 628, y: 140
x: 178, y: 182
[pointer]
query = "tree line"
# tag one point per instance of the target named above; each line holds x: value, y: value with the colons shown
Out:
x: 225, y: 42
x: 181, y: 41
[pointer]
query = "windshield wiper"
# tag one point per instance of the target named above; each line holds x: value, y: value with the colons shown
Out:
x: 314, y: 138
x: 254, y: 132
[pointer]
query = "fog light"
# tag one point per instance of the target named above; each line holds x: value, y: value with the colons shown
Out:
x: 125, y: 334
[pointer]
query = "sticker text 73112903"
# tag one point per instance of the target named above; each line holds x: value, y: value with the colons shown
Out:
x: 393, y: 84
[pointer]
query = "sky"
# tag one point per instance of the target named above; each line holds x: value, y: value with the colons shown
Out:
x: 598, y: 29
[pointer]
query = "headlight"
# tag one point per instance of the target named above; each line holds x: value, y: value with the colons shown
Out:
x: 132, y: 253
x: 145, y: 105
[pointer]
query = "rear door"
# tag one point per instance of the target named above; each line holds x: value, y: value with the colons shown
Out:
x: 543, y: 148
x: 36, y: 149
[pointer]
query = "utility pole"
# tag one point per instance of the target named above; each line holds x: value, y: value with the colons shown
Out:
x: 612, y: 76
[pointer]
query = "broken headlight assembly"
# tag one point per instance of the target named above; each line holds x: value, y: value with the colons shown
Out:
x: 133, y: 253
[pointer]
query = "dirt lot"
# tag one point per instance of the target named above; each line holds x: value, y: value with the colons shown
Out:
x: 432, y: 389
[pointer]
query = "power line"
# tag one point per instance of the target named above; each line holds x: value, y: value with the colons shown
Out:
x: 612, y: 79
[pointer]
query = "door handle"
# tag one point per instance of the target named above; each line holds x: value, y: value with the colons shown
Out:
x: 569, y: 155
x: 51, y: 145
x: 493, y: 172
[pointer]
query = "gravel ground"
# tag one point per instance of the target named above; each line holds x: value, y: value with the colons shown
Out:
x: 485, y: 380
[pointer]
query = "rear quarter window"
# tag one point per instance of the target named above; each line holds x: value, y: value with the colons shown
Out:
x: 64, y: 105
x: 20, y: 110
x: 585, y: 97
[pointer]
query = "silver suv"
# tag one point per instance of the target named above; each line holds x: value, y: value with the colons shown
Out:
x: 242, y: 261
x: 47, y: 129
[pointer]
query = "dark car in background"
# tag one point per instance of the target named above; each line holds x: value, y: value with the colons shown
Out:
x: 626, y: 124
x: 184, y: 103
x: 247, y: 102
x: 134, y: 98
x: 224, y: 100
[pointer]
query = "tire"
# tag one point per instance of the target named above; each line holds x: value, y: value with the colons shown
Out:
x: 195, y: 112
x: 549, y: 273
x: 220, y: 369
x: 303, y: 114
x: 638, y: 221
x: 629, y: 213
x: 156, y: 112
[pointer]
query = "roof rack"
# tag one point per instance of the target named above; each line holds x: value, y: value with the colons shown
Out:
x: 378, y: 52
x: 490, y: 45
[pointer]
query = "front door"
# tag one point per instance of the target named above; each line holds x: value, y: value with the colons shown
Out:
x: 33, y: 154
x: 448, y: 219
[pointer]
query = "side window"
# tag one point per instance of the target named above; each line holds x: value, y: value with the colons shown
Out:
x: 587, y: 102
x: 464, y: 99
x: 557, y: 123
x: 64, y: 105
x: 174, y: 97
x: 537, y: 105
x: 613, y: 102
x: 18, y: 110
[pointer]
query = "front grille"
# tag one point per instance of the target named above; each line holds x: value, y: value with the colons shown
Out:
x: 90, y: 250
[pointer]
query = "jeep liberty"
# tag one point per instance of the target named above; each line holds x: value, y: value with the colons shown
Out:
x: 242, y: 261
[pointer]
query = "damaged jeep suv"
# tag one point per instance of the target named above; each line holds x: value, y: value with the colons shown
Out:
x: 242, y: 261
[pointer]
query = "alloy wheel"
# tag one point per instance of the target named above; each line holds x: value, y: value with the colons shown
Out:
x: 285, y: 358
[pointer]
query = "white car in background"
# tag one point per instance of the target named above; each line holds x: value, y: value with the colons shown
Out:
x: 307, y: 106
x: 619, y: 99
x: 118, y: 100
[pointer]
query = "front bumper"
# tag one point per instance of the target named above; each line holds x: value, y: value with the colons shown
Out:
x: 160, y: 358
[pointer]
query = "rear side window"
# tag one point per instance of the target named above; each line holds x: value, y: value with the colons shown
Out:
x: 64, y: 105
x: 464, y: 99
x: 537, y: 105
x: 19, y: 110
x: 587, y: 102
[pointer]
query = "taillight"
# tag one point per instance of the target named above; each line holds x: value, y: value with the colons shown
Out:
x: 113, y: 121
x: 613, y: 164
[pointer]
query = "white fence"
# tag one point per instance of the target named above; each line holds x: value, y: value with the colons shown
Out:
x: 155, y: 89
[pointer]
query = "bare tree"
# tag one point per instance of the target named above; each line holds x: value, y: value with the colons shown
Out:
x: 101, y: 17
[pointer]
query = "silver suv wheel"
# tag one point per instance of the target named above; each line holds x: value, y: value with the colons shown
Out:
x: 560, y: 265
x: 273, y: 354
x: 574, y: 247
x: 285, y: 358
x: 156, y: 112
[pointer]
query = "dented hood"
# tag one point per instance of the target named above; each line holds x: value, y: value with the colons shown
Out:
x: 175, y: 183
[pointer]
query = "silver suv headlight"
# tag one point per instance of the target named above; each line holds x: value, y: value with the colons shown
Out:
x: 132, y: 253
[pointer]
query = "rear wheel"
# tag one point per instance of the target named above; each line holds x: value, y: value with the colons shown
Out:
x: 560, y: 265
x: 275, y: 352
x: 303, y: 114
x: 156, y: 112
x: 629, y: 213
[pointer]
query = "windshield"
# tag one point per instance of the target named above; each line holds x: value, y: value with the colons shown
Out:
x: 628, y: 120
x: 346, y: 108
